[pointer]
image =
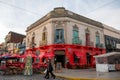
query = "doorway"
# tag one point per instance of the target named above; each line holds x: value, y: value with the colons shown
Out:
x: 88, y: 57
x: 60, y: 57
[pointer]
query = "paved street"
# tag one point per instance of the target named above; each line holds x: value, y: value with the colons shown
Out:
x: 89, y: 74
x: 22, y: 77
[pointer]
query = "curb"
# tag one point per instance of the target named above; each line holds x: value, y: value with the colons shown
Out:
x: 73, y: 78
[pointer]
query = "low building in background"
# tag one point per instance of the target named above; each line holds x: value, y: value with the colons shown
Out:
x: 12, y: 41
x: 22, y: 46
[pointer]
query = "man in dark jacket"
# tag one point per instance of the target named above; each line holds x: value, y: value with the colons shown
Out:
x: 49, y: 70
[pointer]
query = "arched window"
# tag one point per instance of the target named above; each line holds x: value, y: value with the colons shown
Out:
x: 28, y: 42
x: 75, y: 39
x: 87, y: 34
x: 97, y: 38
x: 33, y: 38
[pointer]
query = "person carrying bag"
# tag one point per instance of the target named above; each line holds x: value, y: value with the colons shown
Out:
x: 49, y: 70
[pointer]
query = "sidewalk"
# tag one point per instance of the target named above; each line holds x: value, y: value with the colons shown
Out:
x: 87, y: 74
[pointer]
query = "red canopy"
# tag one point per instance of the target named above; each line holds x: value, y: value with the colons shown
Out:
x: 5, y: 55
x: 41, y: 55
x: 49, y: 55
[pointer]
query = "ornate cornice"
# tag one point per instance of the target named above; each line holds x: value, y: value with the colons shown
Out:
x: 62, y: 13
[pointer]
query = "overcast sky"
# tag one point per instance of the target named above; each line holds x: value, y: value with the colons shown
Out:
x: 17, y: 15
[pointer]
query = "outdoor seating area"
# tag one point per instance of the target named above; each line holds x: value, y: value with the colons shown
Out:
x: 15, y: 63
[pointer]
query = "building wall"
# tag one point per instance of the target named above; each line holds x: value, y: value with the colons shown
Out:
x: 67, y: 24
x: 60, y: 20
x: 38, y: 34
x: 111, y: 31
x: 13, y: 37
x: 82, y: 27
x: 11, y: 47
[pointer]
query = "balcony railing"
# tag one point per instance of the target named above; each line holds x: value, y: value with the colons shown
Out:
x: 100, y: 45
x: 22, y: 45
x: 76, y: 40
x: 32, y: 45
x: 110, y: 46
x: 59, y: 41
x: 42, y: 43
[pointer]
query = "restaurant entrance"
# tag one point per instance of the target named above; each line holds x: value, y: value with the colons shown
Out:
x: 60, y: 57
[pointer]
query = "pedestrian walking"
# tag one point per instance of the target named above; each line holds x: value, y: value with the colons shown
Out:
x: 49, y: 70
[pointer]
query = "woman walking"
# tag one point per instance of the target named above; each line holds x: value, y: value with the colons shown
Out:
x: 49, y: 70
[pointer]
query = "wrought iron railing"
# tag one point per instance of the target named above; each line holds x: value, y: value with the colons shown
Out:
x: 100, y: 45
x: 42, y: 43
x: 76, y: 40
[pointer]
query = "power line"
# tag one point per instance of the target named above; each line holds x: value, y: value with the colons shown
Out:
x: 19, y: 8
x: 101, y: 7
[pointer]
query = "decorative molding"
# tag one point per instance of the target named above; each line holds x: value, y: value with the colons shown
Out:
x: 87, y: 30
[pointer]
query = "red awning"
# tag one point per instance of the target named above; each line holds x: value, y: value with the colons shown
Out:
x: 29, y: 54
x: 49, y: 55
x: 6, y: 55
x: 41, y: 54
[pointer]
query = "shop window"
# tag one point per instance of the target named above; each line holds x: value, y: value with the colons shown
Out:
x: 75, y: 35
x: 59, y: 36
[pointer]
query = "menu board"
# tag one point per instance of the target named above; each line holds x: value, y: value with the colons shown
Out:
x: 58, y: 67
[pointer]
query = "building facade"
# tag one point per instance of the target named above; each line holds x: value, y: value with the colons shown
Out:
x: 71, y: 38
x: 12, y: 41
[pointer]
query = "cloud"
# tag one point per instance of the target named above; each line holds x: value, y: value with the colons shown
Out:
x: 3, y: 32
x: 14, y: 19
x: 108, y: 16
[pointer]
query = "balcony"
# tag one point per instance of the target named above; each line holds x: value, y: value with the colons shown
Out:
x: 100, y: 45
x: 110, y: 46
x: 32, y: 45
x: 21, y: 45
x: 76, y: 41
x: 42, y: 43
x: 59, y: 41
